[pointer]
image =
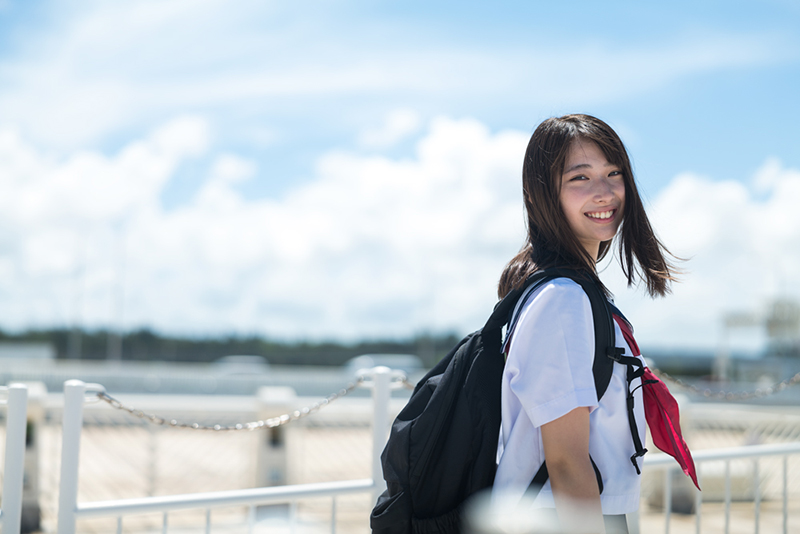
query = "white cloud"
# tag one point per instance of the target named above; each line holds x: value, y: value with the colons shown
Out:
x: 399, y: 124
x: 231, y: 168
x: 371, y: 246
x: 88, y: 186
x: 742, y: 248
x: 60, y: 218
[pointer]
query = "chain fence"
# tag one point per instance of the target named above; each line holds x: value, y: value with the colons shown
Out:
x: 728, y: 395
x: 403, y: 381
x: 272, y: 422
x: 128, y: 452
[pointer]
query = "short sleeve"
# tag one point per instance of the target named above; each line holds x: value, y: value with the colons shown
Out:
x: 549, y: 366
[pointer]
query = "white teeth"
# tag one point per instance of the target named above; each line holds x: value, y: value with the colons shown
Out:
x: 601, y: 215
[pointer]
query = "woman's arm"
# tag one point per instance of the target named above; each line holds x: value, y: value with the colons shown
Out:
x: 572, y: 477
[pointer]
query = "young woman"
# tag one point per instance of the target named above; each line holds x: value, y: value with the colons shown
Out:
x: 579, y: 195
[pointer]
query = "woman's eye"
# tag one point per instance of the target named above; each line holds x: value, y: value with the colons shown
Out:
x: 615, y: 173
x: 579, y: 177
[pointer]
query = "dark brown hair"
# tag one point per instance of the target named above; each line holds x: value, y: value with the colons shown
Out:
x: 551, y: 242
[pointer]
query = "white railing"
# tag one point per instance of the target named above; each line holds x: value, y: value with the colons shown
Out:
x: 755, y: 452
x: 207, y: 501
x: 77, y: 393
x: 13, y: 471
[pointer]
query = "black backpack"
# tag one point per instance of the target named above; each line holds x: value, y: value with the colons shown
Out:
x: 443, y: 444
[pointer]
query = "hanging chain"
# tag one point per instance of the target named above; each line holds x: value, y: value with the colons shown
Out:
x: 403, y: 380
x: 272, y: 422
x: 730, y: 396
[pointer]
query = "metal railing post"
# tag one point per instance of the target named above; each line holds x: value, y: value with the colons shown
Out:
x: 74, y: 391
x: 381, y: 395
x: 727, y: 496
x: 786, y: 494
x: 698, y: 501
x: 16, y: 425
x: 667, y: 498
x: 756, y: 496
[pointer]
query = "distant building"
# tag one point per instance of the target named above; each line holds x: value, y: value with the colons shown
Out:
x: 783, y: 329
x: 781, y: 358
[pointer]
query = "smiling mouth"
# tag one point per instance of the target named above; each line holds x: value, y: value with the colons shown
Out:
x: 601, y: 214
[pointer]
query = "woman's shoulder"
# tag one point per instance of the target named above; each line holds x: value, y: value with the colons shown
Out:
x: 555, y: 301
x: 556, y: 320
x: 564, y: 290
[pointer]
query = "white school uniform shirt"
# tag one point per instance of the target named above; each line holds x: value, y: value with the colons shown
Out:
x: 548, y: 373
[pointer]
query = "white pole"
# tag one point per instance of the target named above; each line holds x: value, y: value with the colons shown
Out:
x: 727, y: 496
x: 785, y: 494
x: 757, y: 498
x: 16, y: 427
x: 698, y: 501
x: 634, y: 522
x: 74, y: 391
x: 667, y: 498
x: 381, y: 394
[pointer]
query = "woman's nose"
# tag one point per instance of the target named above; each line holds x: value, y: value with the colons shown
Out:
x: 603, y: 189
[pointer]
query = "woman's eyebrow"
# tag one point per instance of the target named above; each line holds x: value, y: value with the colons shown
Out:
x: 578, y: 166
x: 586, y: 166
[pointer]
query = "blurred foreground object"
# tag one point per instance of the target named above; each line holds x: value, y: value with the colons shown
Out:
x: 486, y: 515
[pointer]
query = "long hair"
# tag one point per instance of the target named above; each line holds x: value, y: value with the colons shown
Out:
x: 551, y: 242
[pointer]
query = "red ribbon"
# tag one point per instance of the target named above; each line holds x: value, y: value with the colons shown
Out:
x: 661, y: 412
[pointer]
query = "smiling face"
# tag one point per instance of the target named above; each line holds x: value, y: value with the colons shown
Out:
x: 592, y: 195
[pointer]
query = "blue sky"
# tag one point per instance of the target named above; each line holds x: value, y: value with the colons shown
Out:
x: 236, y: 149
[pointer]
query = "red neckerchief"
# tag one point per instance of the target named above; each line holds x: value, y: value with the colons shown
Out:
x: 661, y: 412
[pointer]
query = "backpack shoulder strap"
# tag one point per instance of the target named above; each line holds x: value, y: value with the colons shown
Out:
x: 604, y: 362
x: 502, y: 310
x: 605, y: 351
